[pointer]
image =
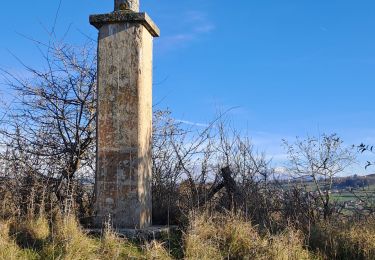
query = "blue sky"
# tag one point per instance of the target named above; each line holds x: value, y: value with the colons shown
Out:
x: 289, y: 67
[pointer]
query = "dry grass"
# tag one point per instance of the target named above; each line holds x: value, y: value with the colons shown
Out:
x: 288, y: 245
x: 9, y: 248
x: 68, y: 241
x: 345, y: 240
x: 156, y: 250
x: 113, y: 247
x: 231, y: 237
x: 222, y: 236
x: 360, y: 238
x: 65, y: 239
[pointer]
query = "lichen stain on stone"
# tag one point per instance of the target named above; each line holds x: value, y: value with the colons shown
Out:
x: 112, y: 70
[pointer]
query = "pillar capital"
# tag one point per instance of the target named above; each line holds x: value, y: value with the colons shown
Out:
x: 125, y: 17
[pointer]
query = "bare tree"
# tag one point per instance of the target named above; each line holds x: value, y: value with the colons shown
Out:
x: 50, y: 130
x: 320, y: 160
x: 212, y: 167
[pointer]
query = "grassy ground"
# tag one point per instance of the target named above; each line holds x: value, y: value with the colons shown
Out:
x: 358, y: 194
x: 64, y: 239
x: 222, y: 236
x: 343, y: 195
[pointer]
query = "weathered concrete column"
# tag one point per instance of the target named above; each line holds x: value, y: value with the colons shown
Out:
x: 124, y: 124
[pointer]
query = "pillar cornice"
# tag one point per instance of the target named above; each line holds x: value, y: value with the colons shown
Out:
x: 125, y: 16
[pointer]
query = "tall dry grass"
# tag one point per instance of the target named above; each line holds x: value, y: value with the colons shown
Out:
x: 229, y: 236
x: 219, y: 236
x: 345, y: 240
x: 66, y: 240
x: 9, y: 248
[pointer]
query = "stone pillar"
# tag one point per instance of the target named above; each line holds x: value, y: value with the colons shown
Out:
x: 124, y: 120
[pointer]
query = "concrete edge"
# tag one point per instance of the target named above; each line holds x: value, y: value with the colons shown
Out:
x: 98, y: 20
x: 151, y: 233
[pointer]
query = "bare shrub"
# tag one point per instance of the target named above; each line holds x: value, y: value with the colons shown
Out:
x: 212, y: 167
x: 49, y: 134
x: 319, y: 159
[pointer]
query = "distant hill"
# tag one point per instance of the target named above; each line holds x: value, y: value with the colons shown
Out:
x: 370, y: 175
x: 354, y: 181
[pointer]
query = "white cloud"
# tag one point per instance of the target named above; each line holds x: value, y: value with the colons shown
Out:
x: 179, y: 38
x: 191, y: 123
x: 195, y: 15
x: 194, y: 24
x: 204, y: 28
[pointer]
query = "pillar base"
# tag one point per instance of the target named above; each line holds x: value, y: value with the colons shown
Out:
x: 145, y: 234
